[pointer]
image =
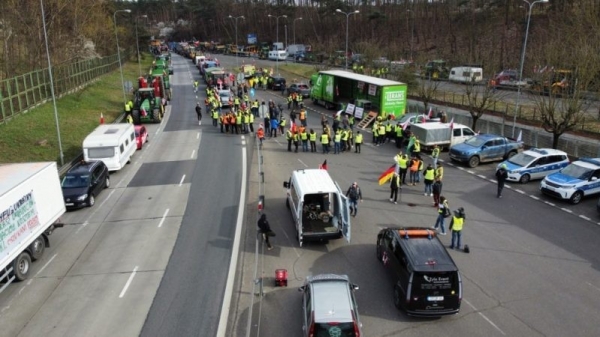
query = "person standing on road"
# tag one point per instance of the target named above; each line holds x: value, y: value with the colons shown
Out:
x: 325, y: 142
x: 456, y: 226
x: 312, y: 137
x: 428, y: 176
x: 265, y: 229
x: 435, y: 155
x: 501, y: 176
x: 357, y: 142
x: 436, y: 188
x: 439, y: 172
x: 199, y: 113
x: 395, y: 186
x: 443, y: 212
x: 354, y: 194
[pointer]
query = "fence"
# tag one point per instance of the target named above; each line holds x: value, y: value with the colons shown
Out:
x: 531, y: 136
x: 23, y: 92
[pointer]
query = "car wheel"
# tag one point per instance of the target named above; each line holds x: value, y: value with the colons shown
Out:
x: 379, y: 253
x: 107, y: 182
x: 510, y: 154
x: 576, y: 197
x: 36, y: 248
x: 397, y: 297
x: 21, y: 266
x: 91, y: 200
x: 473, y: 161
x: 525, y: 179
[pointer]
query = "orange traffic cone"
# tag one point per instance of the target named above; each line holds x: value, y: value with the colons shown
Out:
x: 101, y: 118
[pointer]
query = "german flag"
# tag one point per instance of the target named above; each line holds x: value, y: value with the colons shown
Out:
x: 387, y: 175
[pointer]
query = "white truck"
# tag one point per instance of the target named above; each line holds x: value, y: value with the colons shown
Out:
x: 31, y: 203
x: 440, y: 134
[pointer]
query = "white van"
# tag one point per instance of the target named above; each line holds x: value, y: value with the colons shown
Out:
x: 277, y: 46
x: 280, y: 55
x: 114, y: 144
x: 466, y: 74
x: 319, y: 208
x: 294, y: 48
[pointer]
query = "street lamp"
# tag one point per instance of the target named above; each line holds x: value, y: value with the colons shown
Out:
x: 62, y: 156
x: 137, y: 41
x: 523, y: 61
x: 277, y: 34
x: 294, y: 28
x: 118, y: 51
x: 235, y: 18
x: 347, y: 19
x: 412, y: 31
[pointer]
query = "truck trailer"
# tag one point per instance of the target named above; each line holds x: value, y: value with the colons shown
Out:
x: 441, y: 134
x: 31, y: 203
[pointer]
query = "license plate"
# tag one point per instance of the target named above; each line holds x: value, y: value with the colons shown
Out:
x: 435, y: 298
x: 69, y: 204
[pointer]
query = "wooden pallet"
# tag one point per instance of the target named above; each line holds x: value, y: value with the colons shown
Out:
x: 365, y: 122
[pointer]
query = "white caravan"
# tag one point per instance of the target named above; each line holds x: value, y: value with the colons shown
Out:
x: 114, y: 144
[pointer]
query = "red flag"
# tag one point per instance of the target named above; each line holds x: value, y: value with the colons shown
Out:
x: 144, y: 113
x: 101, y: 118
x: 452, y: 123
x: 430, y: 114
x: 324, y: 165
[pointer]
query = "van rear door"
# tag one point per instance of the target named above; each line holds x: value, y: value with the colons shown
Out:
x: 344, y: 214
x: 298, y: 221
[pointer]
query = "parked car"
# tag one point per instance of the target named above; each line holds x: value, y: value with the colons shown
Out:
x: 83, y: 182
x: 580, y: 178
x: 309, y: 56
x: 225, y: 96
x: 275, y: 82
x: 141, y: 136
x: 414, y: 118
x: 535, y: 164
x: 299, y: 88
x: 485, y: 148
x: 329, y: 306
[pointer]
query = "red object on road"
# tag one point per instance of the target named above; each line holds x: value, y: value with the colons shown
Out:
x: 281, y: 276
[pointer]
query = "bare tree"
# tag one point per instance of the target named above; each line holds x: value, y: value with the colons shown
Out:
x: 426, y: 90
x: 479, y: 99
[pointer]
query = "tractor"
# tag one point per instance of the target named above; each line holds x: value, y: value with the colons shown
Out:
x: 436, y: 70
x: 147, y: 106
x: 263, y: 52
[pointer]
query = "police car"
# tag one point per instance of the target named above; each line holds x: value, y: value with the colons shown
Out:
x: 534, y: 164
x: 580, y: 178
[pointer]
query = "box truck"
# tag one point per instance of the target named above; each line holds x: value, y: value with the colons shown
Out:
x: 31, y: 203
x: 441, y: 134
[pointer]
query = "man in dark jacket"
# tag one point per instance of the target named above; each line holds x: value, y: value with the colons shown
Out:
x: 354, y: 194
x: 199, y: 113
x: 265, y: 230
x: 501, y: 176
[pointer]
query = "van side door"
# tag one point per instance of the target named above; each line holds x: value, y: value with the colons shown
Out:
x: 343, y: 214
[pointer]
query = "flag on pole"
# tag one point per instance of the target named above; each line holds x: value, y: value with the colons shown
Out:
x: 387, y: 175
x: 452, y: 123
x: 101, y: 118
x: 520, y: 136
x: 323, y: 166
x: 430, y: 113
x: 404, y: 125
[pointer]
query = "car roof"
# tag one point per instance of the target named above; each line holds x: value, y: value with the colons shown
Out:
x: 424, y: 249
x: 331, y: 298
x: 84, y: 166
x: 535, y: 152
x: 591, y: 163
x: 314, y: 181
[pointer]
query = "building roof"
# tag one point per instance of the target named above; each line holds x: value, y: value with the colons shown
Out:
x: 363, y: 78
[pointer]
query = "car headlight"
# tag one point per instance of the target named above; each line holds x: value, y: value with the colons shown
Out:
x: 82, y: 197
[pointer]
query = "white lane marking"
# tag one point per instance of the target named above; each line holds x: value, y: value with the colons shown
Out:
x: 198, y: 135
x: 301, y: 162
x: 46, y: 265
x: 193, y: 153
x: 162, y: 220
x: 460, y: 168
x: 469, y: 171
x: 157, y: 131
x: 482, y: 176
x: 534, y: 197
x: 566, y: 210
x: 181, y: 182
x: 224, y: 317
x: 81, y: 227
x: 484, y: 317
x: 593, y: 286
x: 584, y: 217
x: 128, y: 282
x: 549, y: 203
x: 520, y: 191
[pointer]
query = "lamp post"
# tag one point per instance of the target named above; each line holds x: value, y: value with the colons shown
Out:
x: 347, y: 21
x: 62, y: 156
x: 294, y: 27
x: 531, y: 4
x: 277, y: 35
x: 137, y: 41
x: 235, y: 18
x: 118, y: 50
x: 412, y: 31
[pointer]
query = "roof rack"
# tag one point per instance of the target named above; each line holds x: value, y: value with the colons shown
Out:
x: 415, y: 233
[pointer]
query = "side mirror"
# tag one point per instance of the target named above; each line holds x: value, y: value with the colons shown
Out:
x: 594, y: 178
x: 286, y: 184
x: 301, y: 289
x: 355, y: 287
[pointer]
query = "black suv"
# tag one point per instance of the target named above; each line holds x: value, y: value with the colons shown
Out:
x: 83, y: 182
x: 275, y: 82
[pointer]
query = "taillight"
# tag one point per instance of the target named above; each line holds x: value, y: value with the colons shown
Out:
x: 311, y: 329
x: 356, y: 331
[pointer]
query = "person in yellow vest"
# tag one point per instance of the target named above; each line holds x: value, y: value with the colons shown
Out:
x: 247, y: 99
x: 312, y: 137
x: 298, y: 101
x: 421, y: 167
x: 344, y: 141
x: 303, y: 117
x: 403, y: 167
x: 381, y: 134
x: 417, y: 147
x: 289, y: 137
x: 215, y: 116
x: 395, y: 185
x: 375, y: 135
x: 337, y: 139
x: 351, y: 122
x: 325, y: 142
x: 428, y: 176
x: 254, y: 109
x: 290, y: 99
x: 304, y: 139
x: 435, y: 155
x: 456, y: 226
x: 399, y: 138
x: 282, y: 124
x: 388, y: 131
x: 236, y: 102
x: 296, y: 140
x: 349, y: 140
x: 439, y: 172
x: 246, y: 121
x: 127, y: 109
x: 358, y: 140
x: 130, y: 119
x: 238, y: 122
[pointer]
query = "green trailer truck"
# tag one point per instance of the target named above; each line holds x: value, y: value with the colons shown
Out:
x: 334, y: 89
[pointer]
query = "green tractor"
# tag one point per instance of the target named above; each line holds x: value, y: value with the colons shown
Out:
x: 263, y: 51
x: 436, y: 70
x: 147, y: 108
x: 160, y: 74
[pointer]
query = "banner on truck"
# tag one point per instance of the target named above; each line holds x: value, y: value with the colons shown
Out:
x: 252, y: 39
x: 17, y: 221
x: 358, y: 112
x: 393, y: 100
x: 350, y: 109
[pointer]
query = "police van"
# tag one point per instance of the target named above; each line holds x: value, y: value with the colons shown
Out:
x: 534, y: 164
x: 580, y: 178
x: 426, y: 279
x: 114, y: 144
x: 318, y: 206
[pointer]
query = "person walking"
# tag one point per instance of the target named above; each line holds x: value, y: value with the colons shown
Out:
x: 274, y: 127
x: 428, y: 177
x: 354, y: 194
x: 435, y: 155
x: 501, y: 176
x: 443, y: 212
x: 456, y: 226
x: 265, y: 230
x: 395, y: 186
x: 436, y: 188
x: 199, y: 113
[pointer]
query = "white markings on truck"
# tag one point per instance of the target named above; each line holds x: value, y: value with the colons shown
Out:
x: 128, y: 282
x: 162, y: 220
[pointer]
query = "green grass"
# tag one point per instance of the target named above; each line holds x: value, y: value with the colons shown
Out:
x: 32, y: 136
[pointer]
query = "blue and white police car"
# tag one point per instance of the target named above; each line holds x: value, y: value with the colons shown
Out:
x: 534, y: 164
x: 580, y: 178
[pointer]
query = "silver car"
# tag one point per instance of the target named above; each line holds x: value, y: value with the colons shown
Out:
x: 225, y: 96
x: 299, y: 88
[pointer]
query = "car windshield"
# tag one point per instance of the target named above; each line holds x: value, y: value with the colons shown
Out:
x: 335, y: 329
x: 302, y: 86
x: 224, y: 95
x: 576, y: 171
x: 406, y: 117
x: 75, y: 181
x: 475, y: 141
x: 521, y: 159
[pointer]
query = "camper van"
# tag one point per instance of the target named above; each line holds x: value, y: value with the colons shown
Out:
x: 294, y: 48
x: 319, y: 208
x: 114, y: 144
x: 466, y: 74
x: 280, y: 55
